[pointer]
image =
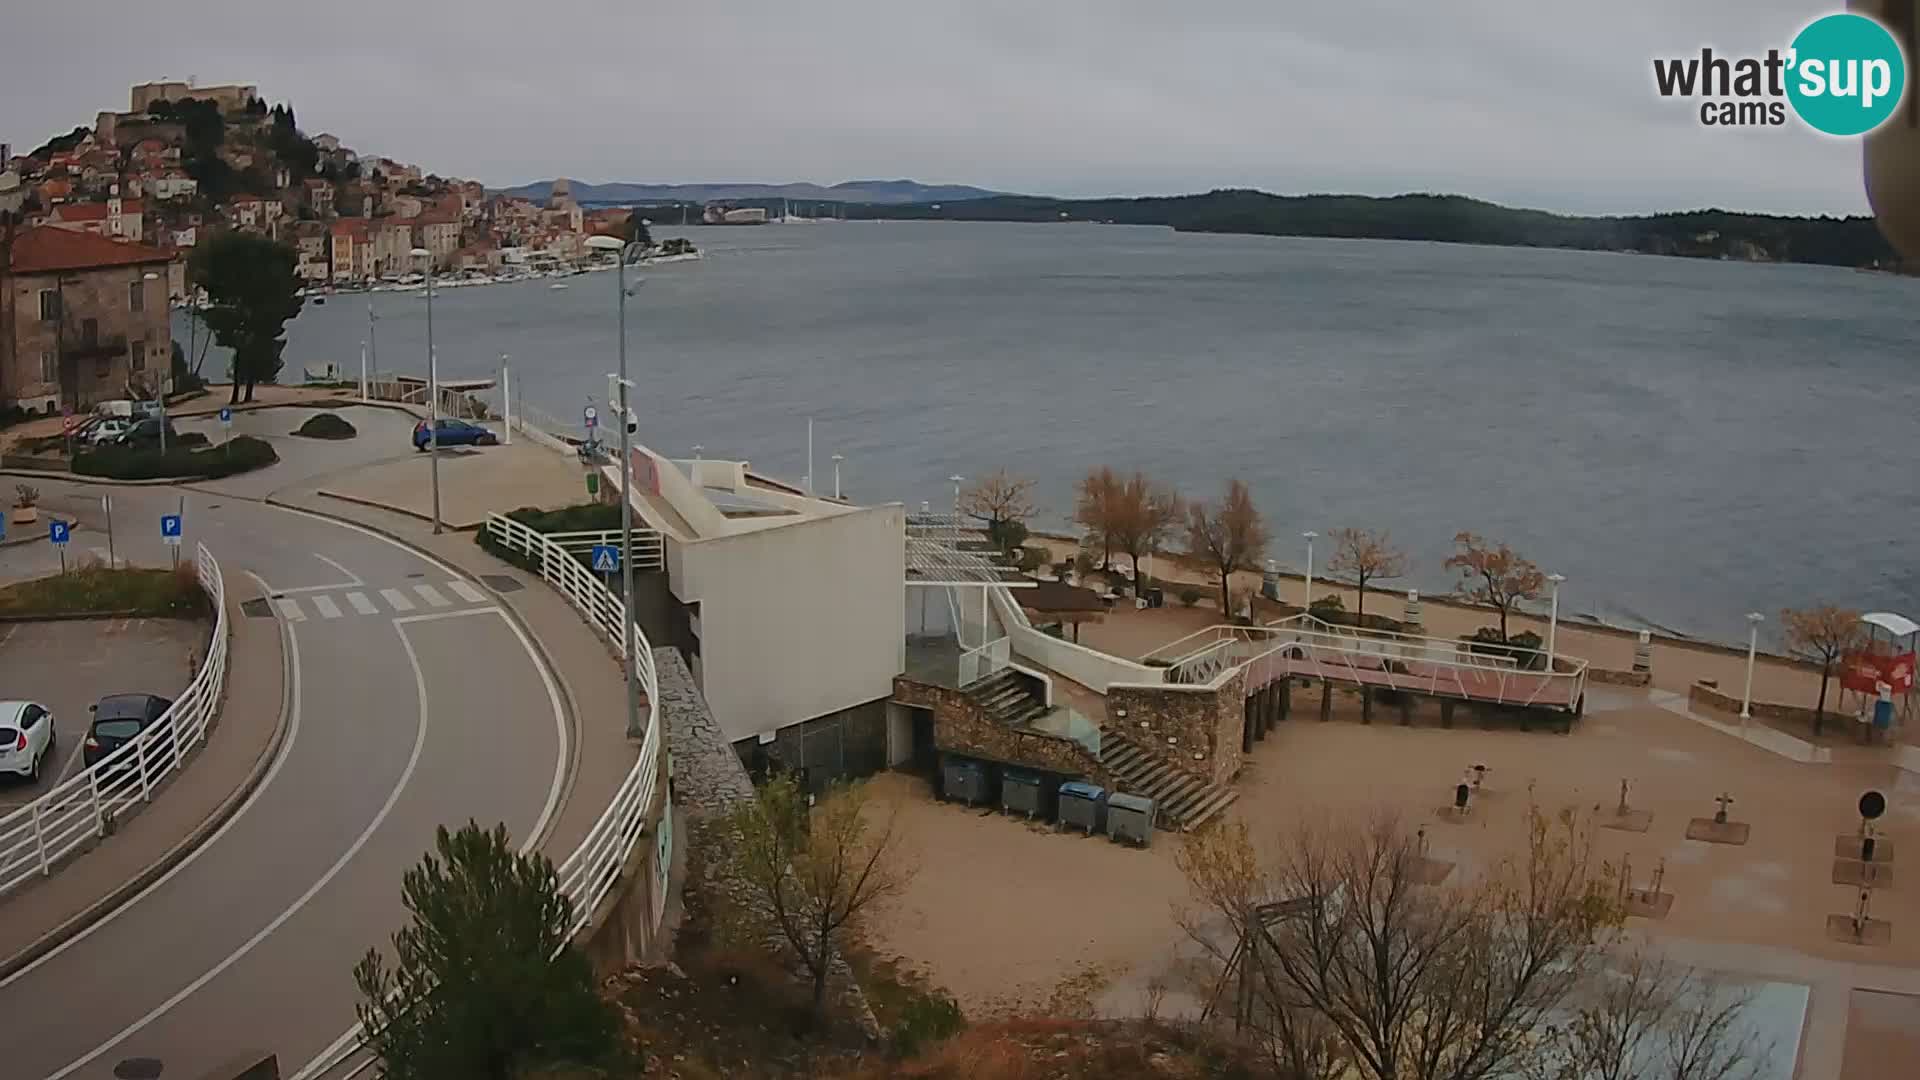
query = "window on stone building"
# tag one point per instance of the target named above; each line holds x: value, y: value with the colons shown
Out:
x: 136, y: 296
x: 138, y: 362
x: 49, y: 368
x: 49, y: 305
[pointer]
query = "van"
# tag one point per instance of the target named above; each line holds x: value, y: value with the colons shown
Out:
x: 121, y: 408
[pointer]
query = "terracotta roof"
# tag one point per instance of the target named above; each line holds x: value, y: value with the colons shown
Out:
x: 46, y: 248
x: 1057, y: 598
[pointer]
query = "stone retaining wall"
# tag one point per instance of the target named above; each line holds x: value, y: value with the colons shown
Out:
x: 1619, y: 678
x: 708, y: 781
x: 1705, y: 695
x: 961, y: 726
x: 1197, y: 727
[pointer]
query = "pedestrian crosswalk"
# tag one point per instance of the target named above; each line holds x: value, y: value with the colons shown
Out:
x: 351, y: 603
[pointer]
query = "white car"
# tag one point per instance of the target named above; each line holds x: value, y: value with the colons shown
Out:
x: 109, y: 429
x: 26, y: 737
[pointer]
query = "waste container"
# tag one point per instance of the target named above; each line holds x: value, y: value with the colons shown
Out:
x: 1020, y: 793
x: 1156, y: 597
x: 1130, y: 818
x: 964, y: 779
x: 1083, y: 806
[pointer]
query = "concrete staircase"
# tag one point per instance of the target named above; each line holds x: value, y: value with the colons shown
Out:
x: 1006, y: 697
x: 1181, y: 800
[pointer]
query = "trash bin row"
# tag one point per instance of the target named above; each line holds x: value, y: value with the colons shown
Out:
x: 1072, y: 804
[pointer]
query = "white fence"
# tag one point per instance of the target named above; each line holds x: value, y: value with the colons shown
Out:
x: 591, y: 872
x: 84, y: 807
x: 648, y: 551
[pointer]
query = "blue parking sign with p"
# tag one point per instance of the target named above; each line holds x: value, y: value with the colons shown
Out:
x: 226, y: 416
x: 170, y: 528
x: 58, y: 532
x: 606, y: 558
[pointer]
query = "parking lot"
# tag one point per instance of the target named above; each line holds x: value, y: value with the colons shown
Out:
x: 68, y: 665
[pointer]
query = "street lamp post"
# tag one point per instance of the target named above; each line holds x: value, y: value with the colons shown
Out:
x: 837, y: 459
x: 1553, y: 617
x: 622, y: 251
x: 956, y: 478
x: 1310, y: 535
x: 1754, y: 619
x: 164, y: 379
x: 433, y: 390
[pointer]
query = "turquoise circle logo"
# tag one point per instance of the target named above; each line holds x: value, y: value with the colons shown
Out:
x: 1847, y: 74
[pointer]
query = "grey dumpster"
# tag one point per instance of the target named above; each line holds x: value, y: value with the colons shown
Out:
x: 1130, y: 817
x: 1020, y: 793
x: 964, y: 779
x: 1083, y: 806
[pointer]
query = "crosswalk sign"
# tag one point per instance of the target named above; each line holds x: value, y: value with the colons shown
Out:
x: 170, y: 528
x: 58, y: 532
x: 606, y: 558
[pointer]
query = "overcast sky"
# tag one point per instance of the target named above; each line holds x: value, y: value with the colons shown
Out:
x: 1546, y: 103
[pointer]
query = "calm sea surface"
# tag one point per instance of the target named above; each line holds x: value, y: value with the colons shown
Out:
x: 1686, y: 441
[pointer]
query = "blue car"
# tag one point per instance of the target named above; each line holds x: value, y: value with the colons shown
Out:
x: 453, y: 433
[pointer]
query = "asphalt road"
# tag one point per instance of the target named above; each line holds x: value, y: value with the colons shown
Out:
x: 416, y: 703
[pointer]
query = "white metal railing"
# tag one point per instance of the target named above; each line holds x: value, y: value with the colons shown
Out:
x: 1304, y: 645
x: 591, y: 872
x: 83, y: 807
x: 649, y: 551
x: 985, y: 661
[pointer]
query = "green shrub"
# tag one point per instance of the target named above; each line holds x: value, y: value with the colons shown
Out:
x: 189, y: 438
x: 94, y: 589
x: 926, y: 1018
x: 326, y: 425
x: 240, y: 454
x: 1328, y: 603
x: 580, y: 517
x: 1032, y: 559
x: 1190, y: 596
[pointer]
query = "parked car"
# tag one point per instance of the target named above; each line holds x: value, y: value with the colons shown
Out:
x: 145, y: 409
x: 26, y: 735
x: 106, y: 430
x: 453, y: 432
x: 117, y: 718
x: 145, y: 434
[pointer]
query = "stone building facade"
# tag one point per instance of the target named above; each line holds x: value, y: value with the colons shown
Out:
x: 961, y: 726
x: 1198, y: 727
x: 81, y: 316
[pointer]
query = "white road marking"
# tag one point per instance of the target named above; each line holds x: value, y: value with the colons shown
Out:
x: 432, y: 596
x: 361, y: 604
x: 325, y: 605
x: 79, y: 747
x: 396, y: 599
x: 293, y: 734
x: 352, y: 578
x: 467, y: 592
x: 393, y: 797
x: 290, y: 609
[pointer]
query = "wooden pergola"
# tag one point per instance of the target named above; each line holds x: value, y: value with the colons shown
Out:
x: 1056, y: 601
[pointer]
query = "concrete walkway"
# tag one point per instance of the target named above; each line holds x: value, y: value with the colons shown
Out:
x: 185, y: 810
x: 473, y: 481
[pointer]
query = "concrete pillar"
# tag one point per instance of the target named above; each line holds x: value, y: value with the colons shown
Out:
x: 1446, y: 712
x: 1406, y: 710
x: 1326, y: 700
x: 1248, y: 711
x: 1366, y: 704
x: 1643, y: 653
x: 1411, y: 616
x: 1286, y: 697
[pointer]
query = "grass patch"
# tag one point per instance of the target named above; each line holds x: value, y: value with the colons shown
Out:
x: 240, y: 454
x: 96, y: 589
x: 326, y: 426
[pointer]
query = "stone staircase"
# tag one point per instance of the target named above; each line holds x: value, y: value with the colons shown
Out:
x: 1006, y: 697
x: 1181, y: 800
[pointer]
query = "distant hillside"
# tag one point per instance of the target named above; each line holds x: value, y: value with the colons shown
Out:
x: 878, y: 192
x: 1713, y: 234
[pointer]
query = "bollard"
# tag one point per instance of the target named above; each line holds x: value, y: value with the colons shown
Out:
x: 1412, y: 615
x: 1643, y: 653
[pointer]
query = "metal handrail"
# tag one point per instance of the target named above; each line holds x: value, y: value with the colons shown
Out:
x: 83, y: 807
x: 984, y: 661
x: 649, y: 549
x: 593, y: 869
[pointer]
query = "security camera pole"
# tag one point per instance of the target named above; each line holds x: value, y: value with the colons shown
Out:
x: 433, y: 389
x: 622, y: 251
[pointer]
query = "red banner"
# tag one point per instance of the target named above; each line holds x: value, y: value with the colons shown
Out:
x: 1865, y: 672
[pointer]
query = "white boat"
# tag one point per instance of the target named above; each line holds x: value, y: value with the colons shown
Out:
x: 786, y: 215
x: 558, y: 285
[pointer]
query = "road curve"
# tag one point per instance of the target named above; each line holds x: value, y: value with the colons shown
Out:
x: 414, y: 702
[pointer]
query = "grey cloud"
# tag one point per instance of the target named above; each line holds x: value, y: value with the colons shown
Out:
x: 1543, y: 104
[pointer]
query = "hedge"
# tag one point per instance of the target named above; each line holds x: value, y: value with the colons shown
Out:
x: 326, y: 426
x: 237, y: 455
x: 94, y: 589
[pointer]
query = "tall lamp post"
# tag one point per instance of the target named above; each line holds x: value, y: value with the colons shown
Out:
x: 957, y: 480
x: 1754, y: 619
x: 1553, y: 617
x: 433, y: 389
x: 1308, y: 604
x: 622, y: 251
x: 837, y: 459
x: 164, y: 379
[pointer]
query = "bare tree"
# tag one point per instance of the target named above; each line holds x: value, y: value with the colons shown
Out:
x: 812, y: 873
x: 1823, y: 635
x: 1230, y: 536
x: 1095, y: 498
x: 1001, y: 500
x: 1646, y: 1018
x: 1140, y: 515
x: 1365, y: 971
x: 1363, y: 556
x: 1494, y: 575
